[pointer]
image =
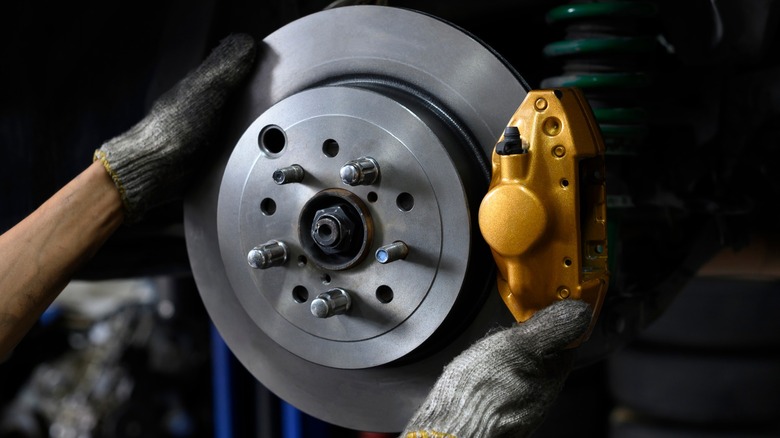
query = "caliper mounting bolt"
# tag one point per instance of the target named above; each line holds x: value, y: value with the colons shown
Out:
x: 273, y: 253
x: 334, y: 302
x: 363, y: 171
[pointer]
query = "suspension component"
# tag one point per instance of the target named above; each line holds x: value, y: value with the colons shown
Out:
x: 544, y: 216
x: 607, y: 52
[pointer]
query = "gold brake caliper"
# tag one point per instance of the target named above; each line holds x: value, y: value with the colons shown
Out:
x: 544, y: 215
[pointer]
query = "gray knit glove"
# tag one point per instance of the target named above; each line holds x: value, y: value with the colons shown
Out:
x: 502, y: 385
x: 152, y: 162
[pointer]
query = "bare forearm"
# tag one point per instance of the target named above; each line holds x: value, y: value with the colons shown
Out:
x: 42, y: 252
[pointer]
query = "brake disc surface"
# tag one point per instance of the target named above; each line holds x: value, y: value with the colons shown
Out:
x: 420, y: 103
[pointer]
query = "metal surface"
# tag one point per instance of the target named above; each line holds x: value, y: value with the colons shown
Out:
x: 392, y: 252
x: 423, y: 99
x: 290, y: 174
x: 363, y: 171
x: 334, y: 302
x: 273, y: 253
x: 419, y: 168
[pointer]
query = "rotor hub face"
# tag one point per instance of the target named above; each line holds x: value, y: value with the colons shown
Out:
x: 419, y: 198
x: 412, y: 93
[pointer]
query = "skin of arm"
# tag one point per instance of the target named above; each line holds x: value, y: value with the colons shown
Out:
x: 149, y: 163
x: 42, y: 252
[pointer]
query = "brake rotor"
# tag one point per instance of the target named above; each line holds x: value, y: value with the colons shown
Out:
x: 334, y: 239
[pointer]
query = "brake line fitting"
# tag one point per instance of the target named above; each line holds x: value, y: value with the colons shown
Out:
x: 544, y: 216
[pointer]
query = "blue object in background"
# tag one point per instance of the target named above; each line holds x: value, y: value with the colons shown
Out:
x: 296, y: 424
x: 221, y: 380
x: 50, y: 315
x: 292, y: 421
x: 292, y: 424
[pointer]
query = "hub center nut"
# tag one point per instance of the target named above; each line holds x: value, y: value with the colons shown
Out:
x: 335, y: 229
x: 332, y: 229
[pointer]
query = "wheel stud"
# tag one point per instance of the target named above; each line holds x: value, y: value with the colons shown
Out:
x: 363, y: 171
x: 331, y: 303
x: 389, y: 253
x: 289, y: 174
x: 273, y: 253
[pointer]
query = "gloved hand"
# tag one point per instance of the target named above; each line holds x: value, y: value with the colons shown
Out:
x: 151, y: 163
x: 502, y: 385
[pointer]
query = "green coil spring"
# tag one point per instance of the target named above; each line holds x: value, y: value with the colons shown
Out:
x: 607, y: 52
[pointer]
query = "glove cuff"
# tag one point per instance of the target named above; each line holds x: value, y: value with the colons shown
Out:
x: 101, y: 156
x: 136, y: 176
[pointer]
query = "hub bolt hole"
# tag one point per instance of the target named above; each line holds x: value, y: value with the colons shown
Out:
x: 330, y: 148
x: 405, y: 201
x: 300, y: 294
x: 384, y: 294
x: 268, y: 206
x: 272, y: 139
